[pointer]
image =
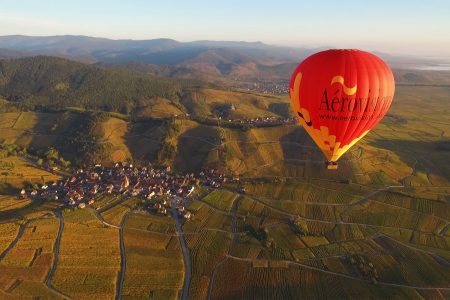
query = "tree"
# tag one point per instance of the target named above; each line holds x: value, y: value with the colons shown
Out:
x: 64, y: 163
x: 52, y: 154
x: 5, y: 173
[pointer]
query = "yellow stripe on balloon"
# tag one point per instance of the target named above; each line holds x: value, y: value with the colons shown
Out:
x: 347, y: 90
x: 295, y: 92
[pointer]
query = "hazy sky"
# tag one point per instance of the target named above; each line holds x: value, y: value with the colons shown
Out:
x: 394, y: 26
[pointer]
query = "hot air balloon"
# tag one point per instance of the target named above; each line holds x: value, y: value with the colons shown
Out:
x: 338, y: 96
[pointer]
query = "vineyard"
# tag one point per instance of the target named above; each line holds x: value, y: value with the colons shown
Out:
x: 154, y: 261
x: 24, y: 268
x: 115, y: 214
x: 264, y: 249
x: 245, y: 281
x: 12, y: 203
x: 89, y: 257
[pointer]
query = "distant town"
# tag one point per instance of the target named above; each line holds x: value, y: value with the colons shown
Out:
x: 262, y: 121
x: 268, y: 87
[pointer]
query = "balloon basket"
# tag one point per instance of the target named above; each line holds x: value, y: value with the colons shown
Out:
x: 331, y: 165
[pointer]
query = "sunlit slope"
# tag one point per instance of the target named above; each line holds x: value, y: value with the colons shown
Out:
x: 410, y: 146
x: 33, y: 129
x: 210, y: 102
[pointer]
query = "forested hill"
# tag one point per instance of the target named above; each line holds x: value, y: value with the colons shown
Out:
x: 57, y: 82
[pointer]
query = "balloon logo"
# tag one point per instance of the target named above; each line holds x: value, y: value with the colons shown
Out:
x: 339, y: 96
x: 341, y: 80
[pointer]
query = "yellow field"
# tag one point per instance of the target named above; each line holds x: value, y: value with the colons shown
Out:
x: 245, y: 281
x: 155, y: 266
x: 32, y: 128
x: 207, y: 249
x: 89, y: 257
x: 8, y: 232
x: 221, y: 199
x: 30, y: 260
x: 115, y: 214
x: 24, y: 171
x: 12, y: 202
x: 248, y: 105
x: 151, y: 223
x: 157, y: 108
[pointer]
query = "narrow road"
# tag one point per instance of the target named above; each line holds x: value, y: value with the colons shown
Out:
x: 340, y: 222
x: 123, y: 259
x: 120, y: 199
x: 413, y: 173
x: 234, y: 223
x: 234, y: 233
x: 52, y: 271
x: 294, y: 215
x: 101, y: 219
x: 219, y: 210
x: 367, y: 197
x: 213, y: 276
x: 443, y: 231
x: 14, y: 242
x: 186, y: 255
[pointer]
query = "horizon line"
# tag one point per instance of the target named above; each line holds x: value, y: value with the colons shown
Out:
x: 217, y: 41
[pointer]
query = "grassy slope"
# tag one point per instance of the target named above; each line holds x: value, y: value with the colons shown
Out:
x: 203, y: 102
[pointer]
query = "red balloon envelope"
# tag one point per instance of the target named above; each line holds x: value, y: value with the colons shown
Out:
x: 339, y: 96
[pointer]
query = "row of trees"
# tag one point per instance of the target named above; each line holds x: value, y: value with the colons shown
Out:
x: 49, y: 156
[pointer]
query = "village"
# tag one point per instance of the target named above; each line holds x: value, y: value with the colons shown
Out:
x: 263, y: 86
x: 160, y: 189
x: 264, y: 121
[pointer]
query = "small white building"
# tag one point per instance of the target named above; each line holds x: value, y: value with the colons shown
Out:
x: 187, y: 215
x: 191, y: 190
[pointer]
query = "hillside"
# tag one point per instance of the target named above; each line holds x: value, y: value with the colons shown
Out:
x: 413, y: 147
x: 216, y: 61
x: 55, y: 82
x: 58, y: 83
x: 43, y: 82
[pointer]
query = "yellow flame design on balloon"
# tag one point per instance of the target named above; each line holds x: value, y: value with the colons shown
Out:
x: 340, y: 79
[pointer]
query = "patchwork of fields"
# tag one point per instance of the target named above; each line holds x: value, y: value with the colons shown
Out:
x: 377, y: 227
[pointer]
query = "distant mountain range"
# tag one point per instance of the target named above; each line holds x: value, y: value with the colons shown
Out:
x: 166, y: 57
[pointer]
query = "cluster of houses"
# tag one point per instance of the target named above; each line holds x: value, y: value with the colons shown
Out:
x: 269, y: 87
x: 266, y: 121
x: 159, y: 187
